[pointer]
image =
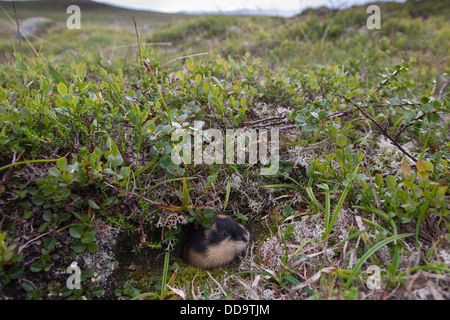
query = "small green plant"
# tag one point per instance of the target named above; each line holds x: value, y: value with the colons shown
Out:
x: 88, y: 288
x: 85, y: 238
x: 164, y: 293
x: 127, y: 291
x: 9, y: 258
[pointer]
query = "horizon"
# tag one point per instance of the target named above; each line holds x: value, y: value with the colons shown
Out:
x: 285, y: 8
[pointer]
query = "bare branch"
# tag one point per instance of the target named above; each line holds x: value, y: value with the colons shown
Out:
x: 383, y: 130
x: 441, y: 92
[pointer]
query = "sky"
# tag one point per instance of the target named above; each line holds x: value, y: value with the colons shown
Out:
x: 281, y: 7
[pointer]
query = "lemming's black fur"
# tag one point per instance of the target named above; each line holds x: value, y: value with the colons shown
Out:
x: 203, y: 242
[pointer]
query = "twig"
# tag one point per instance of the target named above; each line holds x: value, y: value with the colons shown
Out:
x: 383, y: 130
x: 350, y: 110
x: 312, y: 279
x: 394, y: 172
x: 142, y: 44
x: 412, y: 93
x: 189, y: 56
x: 192, y: 288
x: 159, y: 91
x: 271, y: 124
x: 8, y: 173
x: 138, y: 39
x: 340, y: 113
x: 265, y: 119
x: 32, y: 240
x: 18, y: 29
x: 403, y: 128
x: 383, y: 83
x: 441, y: 92
x: 217, y: 283
x: 375, y: 196
x: 292, y: 126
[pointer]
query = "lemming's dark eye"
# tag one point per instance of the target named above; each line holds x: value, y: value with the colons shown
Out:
x: 226, y: 234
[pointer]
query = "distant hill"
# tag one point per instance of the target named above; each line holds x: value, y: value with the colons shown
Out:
x: 58, y: 7
x: 91, y: 13
x: 274, y: 12
x: 55, y: 5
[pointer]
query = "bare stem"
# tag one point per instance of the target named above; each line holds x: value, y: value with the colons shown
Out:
x: 383, y: 130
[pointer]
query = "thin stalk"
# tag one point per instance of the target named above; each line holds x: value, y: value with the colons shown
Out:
x: 370, y: 252
x: 159, y: 91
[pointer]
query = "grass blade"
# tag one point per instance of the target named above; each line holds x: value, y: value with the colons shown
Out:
x: 164, y: 276
x: 422, y: 214
x: 25, y: 162
x: 381, y: 214
x: 148, y: 165
x: 146, y: 294
x: 312, y: 197
x: 336, y: 211
x: 279, y: 186
x: 327, y: 208
x: 165, y: 181
x: 227, y: 196
x: 370, y: 252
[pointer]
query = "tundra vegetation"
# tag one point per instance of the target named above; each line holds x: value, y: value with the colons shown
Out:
x: 358, y: 208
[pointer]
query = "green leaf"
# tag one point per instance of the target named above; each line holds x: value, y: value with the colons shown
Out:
x: 79, y: 70
x: 424, y: 100
x: 322, y: 115
x: 127, y: 288
x: 47, y: 216
x: 36, y: 267
x: 38, y: 199
x: 49, y: 243
x: 98, y: 291
x: 441, y: 191
x: 61, y: 163
x: 396, y: 101
x: 15, y: 272
x: 79, y: 247
x: 64, y: 217
x: 56, y: 75
x: 198, y: 78
x: 88, y: 238
x: 427, y: 108
x: 421, y: 166
x: 2, y: 236
x: 62, y: 89
x: 76, y: 231
x: 308, y: 127
x: 54, y: 172
x: 410, y: 84
x: 341, y: 140
x: 391, y: 181
x: 93, y: 205
x: 92, y: 247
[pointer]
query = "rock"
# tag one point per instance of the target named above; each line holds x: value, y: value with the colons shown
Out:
x: 38, y: 26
